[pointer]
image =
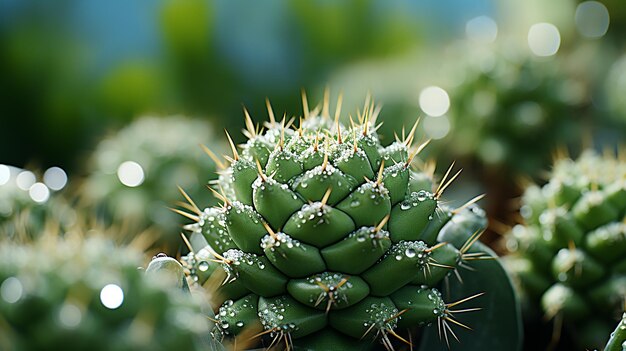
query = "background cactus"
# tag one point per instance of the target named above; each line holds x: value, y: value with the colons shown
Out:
x: 510, y: 109
x: 133, y: 174
x: 568, y: 256
x: 26, y: 205
x: 78, y: 294
x: 327, y: 238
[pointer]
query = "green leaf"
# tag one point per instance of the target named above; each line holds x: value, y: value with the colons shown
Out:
x: 498, y: 326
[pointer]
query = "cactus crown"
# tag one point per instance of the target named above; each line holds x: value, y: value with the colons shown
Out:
x: 324, y: 234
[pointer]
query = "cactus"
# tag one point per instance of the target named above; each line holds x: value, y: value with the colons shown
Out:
x: 510, y: 109
x: 133, y: 174
x: 617, y: 341
x: 568, y: 256
x: 27, y: 205
x: 328, y: 239
x: 79, y: 294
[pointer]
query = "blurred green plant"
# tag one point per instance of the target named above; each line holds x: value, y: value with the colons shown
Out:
x: 510, y: 110
x: 335, y: 33
x: 42, y: 98
x: 81, y: 293
x: 133, y: 174
x: 568, y: 255
x: 27, y: 206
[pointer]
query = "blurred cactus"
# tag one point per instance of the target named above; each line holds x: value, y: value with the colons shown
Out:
x: 28, y: 205
x: 569, y: 255
x: 88, y: 294
x: 134, y: 174
x: 510, y: 110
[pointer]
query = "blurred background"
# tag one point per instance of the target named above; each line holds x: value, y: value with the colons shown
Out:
x: 500, y: 85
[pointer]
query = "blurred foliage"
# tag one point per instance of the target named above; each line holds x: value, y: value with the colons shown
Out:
x: 511, y: 110
x: 133, y: 173
x: 23, y: 217
x: 64, y: 82
x: 41, y: 98
x: 567, y: 256
x: 70, y: 294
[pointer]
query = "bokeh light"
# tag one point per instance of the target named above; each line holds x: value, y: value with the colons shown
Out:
x: 5, y: 174
x: 39, y: 192
x: 55, y: 178
x: 437, y: 127
x: 434, y: 101
x: 592, y: 19
x: 544, y: 39
x: 481, y: 29
x: 11, y: 290
x: 112, y: 296
x: 130, y: 173
x: 70, y: 315
x: 25, y: 180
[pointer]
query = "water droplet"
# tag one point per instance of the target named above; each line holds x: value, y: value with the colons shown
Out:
x: 112, y: 296
x: 409, y: 253
x: 422, y: 195
x: 203, y: 266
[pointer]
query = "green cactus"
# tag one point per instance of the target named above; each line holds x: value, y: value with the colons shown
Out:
x: 509, y: 109
x: 79, y: 294
x: 327, y: 238
x: 617, y: 341
x: 27, y: 205
x: 133, y: 174
x: 568, y: 256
